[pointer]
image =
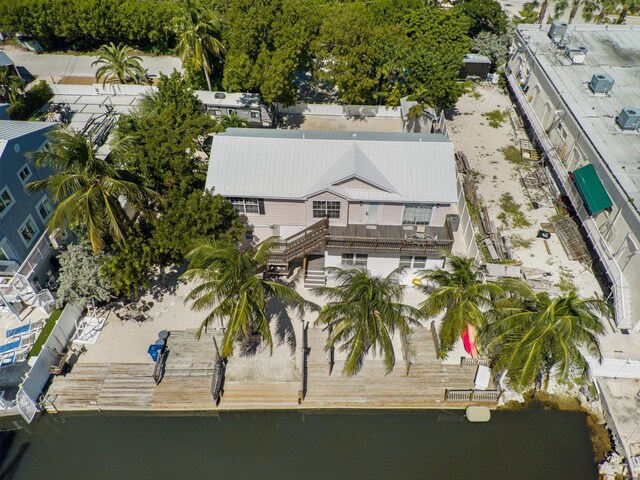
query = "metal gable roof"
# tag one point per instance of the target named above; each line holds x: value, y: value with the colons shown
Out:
x: 284, y: 164
x: 12, y: 129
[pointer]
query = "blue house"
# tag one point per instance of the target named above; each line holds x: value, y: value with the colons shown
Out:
x: 23, y: 216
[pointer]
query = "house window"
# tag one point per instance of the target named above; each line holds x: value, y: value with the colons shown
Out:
x: 255, y: 115
x: 247, y: 205
x: 413, y: 262
x: 323, y: 208
x: 3, y: 255
x: 354, y: 259
x: 6, y: 200
x: 216, y: 112
x: 230, y: 111
x: 24, y: 173
x: 28, y: 231
x: 44, y: 208
x: 417, y: 214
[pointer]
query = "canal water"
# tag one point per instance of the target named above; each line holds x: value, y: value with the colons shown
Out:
x: 426, y: 445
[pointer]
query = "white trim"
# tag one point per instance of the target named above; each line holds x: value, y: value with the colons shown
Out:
x: 7, y: 207
x: 24, y: 181
x: 45, y: 198
x: 35, y: 233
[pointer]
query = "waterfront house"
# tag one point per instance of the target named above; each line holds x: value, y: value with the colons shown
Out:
x: 378, y: 200
x: 25, y: 246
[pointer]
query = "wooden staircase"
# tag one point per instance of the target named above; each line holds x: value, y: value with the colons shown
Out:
x: 300, y: 244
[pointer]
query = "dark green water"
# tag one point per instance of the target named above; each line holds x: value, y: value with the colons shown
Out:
x: 427, y: 445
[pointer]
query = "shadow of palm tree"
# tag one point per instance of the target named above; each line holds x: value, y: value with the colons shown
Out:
x: 12, y: 467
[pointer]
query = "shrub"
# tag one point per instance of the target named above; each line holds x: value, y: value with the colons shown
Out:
x: 30, y: 101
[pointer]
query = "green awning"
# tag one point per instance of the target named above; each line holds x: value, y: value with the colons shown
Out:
x: 591, y: 189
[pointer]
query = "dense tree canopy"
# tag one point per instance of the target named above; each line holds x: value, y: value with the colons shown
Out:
x: 362, y: 52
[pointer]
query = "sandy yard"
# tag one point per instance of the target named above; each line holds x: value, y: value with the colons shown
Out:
x: 471, y: 133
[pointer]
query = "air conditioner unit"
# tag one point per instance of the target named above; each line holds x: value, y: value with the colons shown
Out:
x: 557, y: 30
x: 57, y: 238
x: 629, y: 119
x: 601, y: 83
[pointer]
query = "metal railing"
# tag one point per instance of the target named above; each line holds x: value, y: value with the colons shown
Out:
x: 606, y: 257
x: 39, y: 251
x: 477, y: 396
x: 474, y: 362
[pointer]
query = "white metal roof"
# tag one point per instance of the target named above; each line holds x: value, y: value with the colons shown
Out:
x: 226, y: 99
x: 287, y: 164
x: 11, y: 129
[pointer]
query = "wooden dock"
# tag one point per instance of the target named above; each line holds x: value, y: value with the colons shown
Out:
x: 187, y: 382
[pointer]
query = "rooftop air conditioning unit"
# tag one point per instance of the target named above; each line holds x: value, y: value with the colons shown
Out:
x: 576, y: 54
x: 557, y: 30
x: 629, y: 119
x: 601, y: 83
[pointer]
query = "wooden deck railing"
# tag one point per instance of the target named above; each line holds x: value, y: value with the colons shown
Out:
x: 300, y: 244
x: 472, y: 396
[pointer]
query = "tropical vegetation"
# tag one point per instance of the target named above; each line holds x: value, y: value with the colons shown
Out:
x: 363, y: 313
x: 197, y: 29
x: 230, y: 286
x: 10, y: 86
x: 460, y: 294
x: 90, y: 190
x: 533, y: 336
x: 118, y: 65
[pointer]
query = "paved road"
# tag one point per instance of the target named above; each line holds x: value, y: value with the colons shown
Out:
x: 50, y: 66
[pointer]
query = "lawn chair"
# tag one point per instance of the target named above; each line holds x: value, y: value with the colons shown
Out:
x: 27, y: 340
x: 7, y: 359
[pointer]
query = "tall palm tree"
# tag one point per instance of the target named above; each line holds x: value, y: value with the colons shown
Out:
x: 628, y: 6
x: 461, y: 295
x: 533, y: 334
x: 197, y: 29
x: 118, y: 65
x: 230, y: 285
x: 89, y: 189
x: 574, y: 9
x: 10, y: 85
x: 364, y: 311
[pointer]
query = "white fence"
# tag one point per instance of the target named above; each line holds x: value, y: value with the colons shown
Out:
x: 34, y: 382
x: 341, y: 110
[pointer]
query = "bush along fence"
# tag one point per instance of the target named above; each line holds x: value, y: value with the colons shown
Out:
x: 30, y: 102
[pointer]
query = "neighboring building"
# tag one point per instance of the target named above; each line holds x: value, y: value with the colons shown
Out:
x: 248, y: 106
x: 424, y: 123
x: 378, y: 200
x: 6, y: 62
x: 578, y: 87
x: 475, y: 66
x: 4, y: 115
x: 23, y: 216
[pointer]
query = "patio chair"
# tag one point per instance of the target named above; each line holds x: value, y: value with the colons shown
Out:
x: 22, y: 354
x: 36, y: 326
x: 27, y: 340
x: 7, y: 359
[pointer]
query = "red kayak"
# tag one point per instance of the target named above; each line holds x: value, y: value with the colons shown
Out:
x: 469, y: 341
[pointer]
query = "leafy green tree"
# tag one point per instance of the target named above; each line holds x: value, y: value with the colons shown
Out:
x: 197, y: 28
x: 268, y: 43
x: 231, y: 287
x: 89, y: 189
x: 433, y: 62
x: 197, y: 216
x: 128, y: 267
x: 598, y: 11
x: 534, y: 335
x: 485, y: 16
x: 166, y: 136
x: 10, y: 85
x: 491, y: 45
x: 460, y: 294
x: 364, y: 312
x: 118, y: 65
x: 528, y: 13
x: 81, y: 279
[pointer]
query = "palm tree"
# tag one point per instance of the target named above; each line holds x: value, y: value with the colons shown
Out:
x: 532, y: 334
x: 10, y: 85
x: 461, y: 295
x: 364, y: 311
x: 89, y: 189
x: 598, y: 10
x: 118, y: 65
x: 628, y: 6
x: 233, y: 120
x: 197, y: 29
x: 232, y: 288
x: 574, y: 9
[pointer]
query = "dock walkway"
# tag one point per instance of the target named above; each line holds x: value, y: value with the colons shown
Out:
x: 186, y: 385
